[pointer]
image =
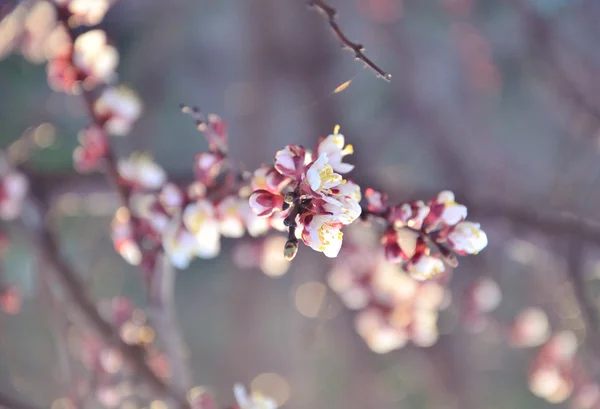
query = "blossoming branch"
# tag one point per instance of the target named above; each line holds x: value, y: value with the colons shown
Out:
x: 391, y: 262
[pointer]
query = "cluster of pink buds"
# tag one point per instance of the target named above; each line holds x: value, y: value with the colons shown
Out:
x: 185, y: 221
x: 393, y: 308
x: 13, y: 189
x: 311, y: 196
x: 92, y: 149
x: 424, y: 236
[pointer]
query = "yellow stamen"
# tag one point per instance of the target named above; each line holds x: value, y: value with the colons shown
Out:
x: 348, y: 150
x: 336, y: 129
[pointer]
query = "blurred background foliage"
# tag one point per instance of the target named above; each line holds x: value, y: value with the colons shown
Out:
x: 494, y: 100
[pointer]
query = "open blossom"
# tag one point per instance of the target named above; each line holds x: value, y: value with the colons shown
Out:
x: 119, y: 107
x: 343, y: 203
x: 230, y: 218
x: 180, y: 245
x: 323, y: 234
x: 200, y: 219
x: 467, y: 238
x: 321, y: 177
x: 95, y: 59
x: 85, y: 12
x: 444, y: 209
x: 424, y: 267
x: 256, y: 400
x: 141, y: 171
x: 334, y: 147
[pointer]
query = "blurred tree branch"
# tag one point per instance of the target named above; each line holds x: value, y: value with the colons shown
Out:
x: 358, y: 49
x: 542, y: 38
x: 563, y: 223
x: 160, y: 280
x: 34, y: 218
x: 7, y: 402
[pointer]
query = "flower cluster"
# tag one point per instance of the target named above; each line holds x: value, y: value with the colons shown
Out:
x: 392, y: 307
x: 311, y: 196
x: 185, y: 221
x: 424, y: 235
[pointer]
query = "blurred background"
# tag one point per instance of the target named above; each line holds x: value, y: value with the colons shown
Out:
x: 497, y: 101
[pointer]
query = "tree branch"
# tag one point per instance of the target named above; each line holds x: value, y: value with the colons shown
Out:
x: 6, y: 402
x: 330, y: 14
x: 540, y: 34
x: 33, y: 218
x: 163, y: 276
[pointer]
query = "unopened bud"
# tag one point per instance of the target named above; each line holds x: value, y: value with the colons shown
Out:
x: 291, y: 249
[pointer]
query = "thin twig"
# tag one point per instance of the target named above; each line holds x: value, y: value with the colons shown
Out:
x: 359, y: 50
x: 161, y: 311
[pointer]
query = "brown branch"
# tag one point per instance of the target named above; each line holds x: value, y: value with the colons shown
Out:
x: 33, y: 218
x: 7, y: 402
x: 359, y: 50
x: 161, y: 278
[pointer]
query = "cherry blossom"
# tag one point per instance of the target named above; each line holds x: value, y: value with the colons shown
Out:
x: 467, y: 238
x: 95, y: 59
x: 85, y: 12
x: 333, y: 147
x: 139, y: 170
x: 200, y: 219
x: 118, y: 107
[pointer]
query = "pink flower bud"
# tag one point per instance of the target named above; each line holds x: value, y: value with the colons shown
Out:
x: 377, y: 201
x: 264, y: 203
x: 208, y: 166
x: 289, y: 161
